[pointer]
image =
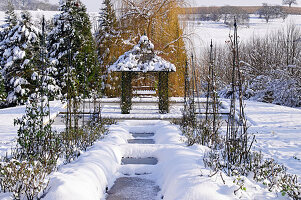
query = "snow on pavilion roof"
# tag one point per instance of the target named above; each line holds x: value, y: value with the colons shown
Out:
x: 141, y: 59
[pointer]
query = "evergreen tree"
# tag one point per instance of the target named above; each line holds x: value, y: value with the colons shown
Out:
x: 108, y: 40
x: 71, y: 47
x: 10, y: 22
x: 21, y: 46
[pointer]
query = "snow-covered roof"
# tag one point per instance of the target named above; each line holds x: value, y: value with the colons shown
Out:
x: 142, y: 58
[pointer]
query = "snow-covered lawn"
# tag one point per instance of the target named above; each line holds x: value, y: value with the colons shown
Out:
x: 201, y: 32
x: 278, y: 132
x: 8, y: 132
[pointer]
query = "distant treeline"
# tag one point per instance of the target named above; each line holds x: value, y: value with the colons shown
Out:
x: 247, y: 9
x: 28, y: 5
x: 227, y: 14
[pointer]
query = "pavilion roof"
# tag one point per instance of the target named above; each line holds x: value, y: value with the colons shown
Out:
x: 142, y: 58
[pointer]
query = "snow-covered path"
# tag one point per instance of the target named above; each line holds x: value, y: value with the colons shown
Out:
x: 137, y: 183
x: 180, y: 172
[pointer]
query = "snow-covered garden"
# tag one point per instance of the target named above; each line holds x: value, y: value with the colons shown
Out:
x: 134, y: 102
x: 180, y: 172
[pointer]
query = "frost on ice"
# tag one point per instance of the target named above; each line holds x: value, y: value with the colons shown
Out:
x: 142, y: 58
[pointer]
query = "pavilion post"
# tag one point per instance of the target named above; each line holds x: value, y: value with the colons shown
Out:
x: 163, y: 92
x: 126, y: 92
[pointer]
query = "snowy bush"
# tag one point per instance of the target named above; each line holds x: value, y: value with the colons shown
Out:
x: 23, y: 178
x: 37, y: 140
x: 274, y: 176
x: 266, y: 171
x: 76, y: 140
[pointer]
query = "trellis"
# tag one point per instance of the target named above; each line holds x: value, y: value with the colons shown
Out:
x: 142, y: 59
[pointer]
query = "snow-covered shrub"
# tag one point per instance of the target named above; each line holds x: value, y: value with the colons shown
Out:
x: 266, y: 171
x: 278, y: 87
x: 76, y: 140
x: 23, y: 178
x: 284, y: 90
x: 37, y: 140
x: 274, y: 176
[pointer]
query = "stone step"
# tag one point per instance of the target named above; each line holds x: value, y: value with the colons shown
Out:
x: 133, y: 188
x: 136, y: 135
x: 139, y: 161
x: 141, y: 141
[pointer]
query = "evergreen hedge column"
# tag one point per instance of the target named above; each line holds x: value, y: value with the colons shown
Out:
x: 126, y: 92
x: 163, y: 92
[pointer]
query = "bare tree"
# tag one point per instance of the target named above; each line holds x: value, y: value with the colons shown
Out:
x: 289, y: 2
x: 270, y: 12
x: 228, y: 13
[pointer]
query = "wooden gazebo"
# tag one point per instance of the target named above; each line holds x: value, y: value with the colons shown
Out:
x: 142, y: 58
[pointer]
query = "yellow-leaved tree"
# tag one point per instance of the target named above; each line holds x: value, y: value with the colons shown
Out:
x: 158, y: 19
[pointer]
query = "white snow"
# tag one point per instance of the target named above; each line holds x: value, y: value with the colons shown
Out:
x: 278, y: 133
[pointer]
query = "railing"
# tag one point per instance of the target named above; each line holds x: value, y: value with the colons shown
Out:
x: 144, y: 91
